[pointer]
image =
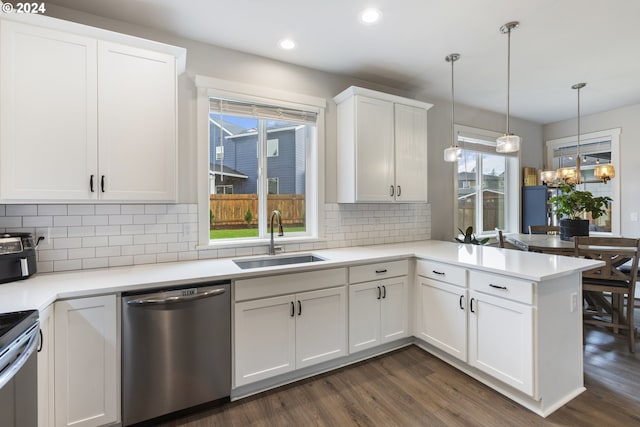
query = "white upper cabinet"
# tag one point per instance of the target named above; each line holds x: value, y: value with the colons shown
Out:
x: 86, y: 114
x: 382, y: 147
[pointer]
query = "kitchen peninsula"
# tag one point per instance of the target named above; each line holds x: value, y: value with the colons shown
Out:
x: 512, y: 318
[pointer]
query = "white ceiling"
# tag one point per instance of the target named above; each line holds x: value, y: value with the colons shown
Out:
x: 558, y: 43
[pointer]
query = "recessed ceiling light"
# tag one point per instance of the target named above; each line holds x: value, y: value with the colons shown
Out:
x: 370, y: 15
x: 287, y: 44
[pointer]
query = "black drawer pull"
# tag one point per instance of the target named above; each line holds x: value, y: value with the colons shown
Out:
x: 293, y: 309
x: 381, y: 271
x: 102, y: 183
x: 91, y: 183
x: 504, y: 288
x: 471, y: 305
x: 461, y: 302
x: 299, y: 308
x: 379, y: 293
x: 441, y: 273
x: 384, y: 291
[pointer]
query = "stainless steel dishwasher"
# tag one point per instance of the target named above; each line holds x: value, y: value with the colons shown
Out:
x: 176, y: 350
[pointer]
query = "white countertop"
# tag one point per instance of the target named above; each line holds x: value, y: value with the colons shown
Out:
x: 41, y: 290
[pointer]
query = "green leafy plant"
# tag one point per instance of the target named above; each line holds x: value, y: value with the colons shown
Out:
x: 248, y: 216
x: 572, y: 203
x: 469, y: 237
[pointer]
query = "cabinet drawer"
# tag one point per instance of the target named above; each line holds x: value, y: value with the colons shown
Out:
x: 441, y: 271
x: 381, y: 270
x: 502, y: 286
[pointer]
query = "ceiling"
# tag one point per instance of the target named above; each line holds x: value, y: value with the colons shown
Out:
x: 558, y: 43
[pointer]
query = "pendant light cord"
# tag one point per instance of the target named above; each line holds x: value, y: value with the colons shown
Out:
x: 453, y: 109
x: 508, y: 75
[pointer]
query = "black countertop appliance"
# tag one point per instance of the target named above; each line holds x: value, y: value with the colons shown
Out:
x: 17, y: 256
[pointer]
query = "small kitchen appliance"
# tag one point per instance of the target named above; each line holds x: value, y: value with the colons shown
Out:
x: 17, y: 256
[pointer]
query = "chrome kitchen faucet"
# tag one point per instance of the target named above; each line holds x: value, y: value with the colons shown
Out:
x: 275, y: 214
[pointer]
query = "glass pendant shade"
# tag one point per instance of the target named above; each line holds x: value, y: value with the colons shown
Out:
x: 567, y: 174
x: 604, y: 172
x: 508, y: 143
x: 452, y: 154
x: 548, y: 176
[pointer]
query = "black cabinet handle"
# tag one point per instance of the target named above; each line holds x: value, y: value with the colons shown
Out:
x: 381, y: 271
x: 471, y: 305
x: 391, y: 191
x: 379, y: 293
x: 102, y: 183
x: 299, y: 308
x: 41, y: 341
x: 293, y: 309
x: 384, y: 291
x: 438, y: 272
x: 504, y: 288
x: 461, y: 302
x: 91, y: 183
x: 399, y: 191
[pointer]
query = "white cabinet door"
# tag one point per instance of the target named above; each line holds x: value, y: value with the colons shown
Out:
x: 137, y: 123
x: 374, y: 150
x: 45, y: 369
x: 321, y: 333
x: 87, y: 363
x: 264, y: 338
x: 501, y: 340
x: 394, y: 314
x: 364, y: 315
x: 410, y: 153
x: 442, y: 316
x: 48, y: 137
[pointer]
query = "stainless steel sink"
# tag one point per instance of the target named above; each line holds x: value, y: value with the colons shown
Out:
x: 276, y: 260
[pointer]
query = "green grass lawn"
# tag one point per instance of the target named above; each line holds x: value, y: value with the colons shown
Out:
x: 245, y: 232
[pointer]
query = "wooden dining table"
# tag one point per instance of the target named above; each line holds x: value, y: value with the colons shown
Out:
x: 545, y: 243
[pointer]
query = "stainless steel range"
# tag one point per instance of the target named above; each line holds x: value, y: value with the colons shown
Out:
x: 18, y: 369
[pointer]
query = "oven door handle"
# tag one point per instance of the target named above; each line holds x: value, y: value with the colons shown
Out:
x: 22, y: 352
x: 154, y: 300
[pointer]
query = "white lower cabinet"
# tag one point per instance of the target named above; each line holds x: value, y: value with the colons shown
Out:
x: 442, y: 316
x: 45, y: 369
x: 377, y: 313
x: 87, y: 363
x: 501, y: 340
x: 280, y: 334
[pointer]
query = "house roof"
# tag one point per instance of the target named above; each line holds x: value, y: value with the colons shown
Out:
x: 214, y: 169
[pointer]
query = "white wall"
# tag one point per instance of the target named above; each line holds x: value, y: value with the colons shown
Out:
x: 626, y: 118
x: 232, y: 65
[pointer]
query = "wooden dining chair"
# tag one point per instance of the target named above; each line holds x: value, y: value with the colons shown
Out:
x: 620, y: 283
x: 544, y: 229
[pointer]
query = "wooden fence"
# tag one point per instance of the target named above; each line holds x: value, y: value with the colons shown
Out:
x: 229, y: 210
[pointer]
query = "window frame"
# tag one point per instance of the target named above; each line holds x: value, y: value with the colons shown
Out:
x: 612, y: 135
x: 511, y: 184
x: 208, y: 87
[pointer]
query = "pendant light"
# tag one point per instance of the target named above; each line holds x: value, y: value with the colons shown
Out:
x: 571, y: 174
x: 508, y: 143
x: 453, y: 153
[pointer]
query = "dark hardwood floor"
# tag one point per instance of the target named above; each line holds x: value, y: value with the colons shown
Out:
x: 409, y: 387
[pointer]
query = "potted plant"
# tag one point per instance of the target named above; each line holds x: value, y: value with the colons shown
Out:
x: 469, y: 237
x: 572, y: 206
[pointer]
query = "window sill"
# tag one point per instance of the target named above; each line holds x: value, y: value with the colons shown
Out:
x: 279, y: 241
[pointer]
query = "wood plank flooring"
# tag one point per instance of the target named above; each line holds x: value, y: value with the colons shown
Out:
x: 409, y: 387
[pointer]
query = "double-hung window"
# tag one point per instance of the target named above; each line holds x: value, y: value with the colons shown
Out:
x: 487, y: 183
x: 262, y: 156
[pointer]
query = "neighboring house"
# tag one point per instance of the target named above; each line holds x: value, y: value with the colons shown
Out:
x: 234, y: 162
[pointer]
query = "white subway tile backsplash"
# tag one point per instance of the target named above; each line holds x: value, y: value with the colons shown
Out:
x: 95, y: 220
x: 100, y: 236
x: 81, y: 210
x: 108, y: 209
x: 37, y: 221
x: 21, y: 210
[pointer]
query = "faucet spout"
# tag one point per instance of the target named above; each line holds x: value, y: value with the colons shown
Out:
x: 275, y: 214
